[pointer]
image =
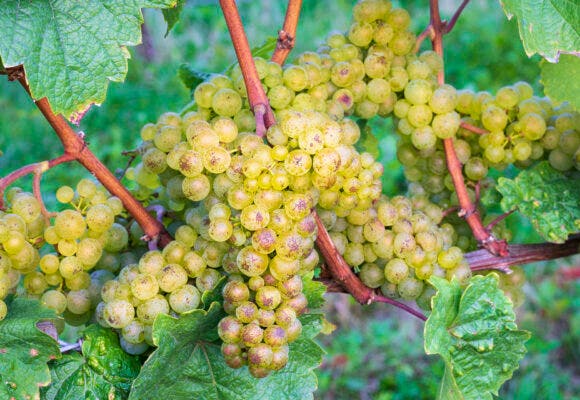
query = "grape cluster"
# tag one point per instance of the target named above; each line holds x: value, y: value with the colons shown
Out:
x: 242, y: 209
x: 65, y: 279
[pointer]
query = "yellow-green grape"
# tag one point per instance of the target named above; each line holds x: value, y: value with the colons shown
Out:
x: 120, y: 313
x: 89, y: 252
x: 26, y: 206
x: 144, y: 286
x: 172, y: 277
x: 86, y: 188
x: 78, y: 301
x: 35, y: 282
x: 70, y: 224
x: 117, y: 238
x: 65, y: 194
x: 3, y: 310
x: 148, y: 310
x: 185, y: 299
x: 54, y: 299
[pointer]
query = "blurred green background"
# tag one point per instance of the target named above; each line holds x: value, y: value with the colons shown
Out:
x: 375, y: 352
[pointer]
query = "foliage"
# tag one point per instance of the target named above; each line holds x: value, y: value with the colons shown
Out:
x: 101, y: 371
x: 562, y: 80
x: 547, y: 197
x: 188, y: 363
x: 187, y: 360
x: 474, y: 331
x: 25, y: 350
x: 546, y: 27
x: 68, y: 57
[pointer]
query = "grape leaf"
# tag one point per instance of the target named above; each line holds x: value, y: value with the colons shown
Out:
x: 25, y: 350
x: 545, y: 196
x: 562, y: 80
x: 474, y: 331
x: 314, y: 291
x: 190, y: 77
x: 102, y: 371
x: 188, y: 363
x: 71, y: 50
x: 171, y: 15
x: 265, y: 49
x: 547, y: 27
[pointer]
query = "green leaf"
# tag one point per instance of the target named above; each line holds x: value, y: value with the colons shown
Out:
x: 188, y: 363
x: 25, y: 350
x: 314, y: 291
x: 190, y: 77
x: 266, y: 49
x: 71, y: 50
x: 474, y: 331
x: 545, y: 196
x: 103, y: 371
x: 214, y: 295
x: 562, y: 80
x: 171, y: 15
x: 263, y: 50
x: 547, y: 27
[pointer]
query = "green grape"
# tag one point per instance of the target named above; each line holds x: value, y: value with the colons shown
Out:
x: 144, y: 286
x: 49, y: 263
x: 55, y: 300
x: 172, y: 277
x: 26, y: 206
x: 475, y: 169
x: 507, y: 97
x: 78, y: 301
x: 185, y: 299
x: 226, y: 102
x: 295, y: 78
x: 446, y: 125
x: 69, y: 224
x: 410, y: 288
x: 494, y: 118
x: 117, y: 238
x: 146, y: 311
x: 196, y: 188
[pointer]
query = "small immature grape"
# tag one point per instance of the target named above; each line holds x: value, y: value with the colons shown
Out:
x: 65, y: 194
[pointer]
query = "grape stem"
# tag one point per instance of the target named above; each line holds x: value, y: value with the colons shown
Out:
x: 522, y: 254
x: 256, y: 94
x: 339, y: 269
x: 75, y: 148
x: 30, y: 169
x: 287, y: 35
x: 342, y: 273
x: 468, y: 210
x: 473, y: 128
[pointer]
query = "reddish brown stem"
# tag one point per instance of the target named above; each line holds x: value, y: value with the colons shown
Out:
x: 449, y: 25
x: 38, y: 194
x: 30, y: 169
x: 256, y: 94
x: 473, y: 128
x: 468, y: 209
x: 496, y: 221
x: 427, y: 33
x: 287, y: 36
x: 341, y: 272
x: 75, y: 148
x: 523, y: 254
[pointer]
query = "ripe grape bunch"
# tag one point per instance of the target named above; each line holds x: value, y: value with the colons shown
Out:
x: 243, y: 210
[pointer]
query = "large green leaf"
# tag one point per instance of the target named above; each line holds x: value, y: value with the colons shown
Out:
x: 562, y: 80
x: 545, y: 196
x: 547, y: 27
x: 188, y: 364
x: 70, y: 49
x: 103, y: 371
x: 25, y: 350
x: 474, y: 331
